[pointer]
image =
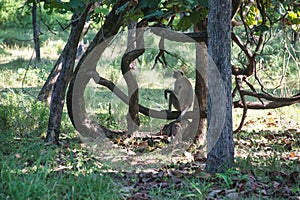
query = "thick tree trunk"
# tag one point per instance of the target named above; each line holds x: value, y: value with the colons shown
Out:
x: 36, y: 32
x: 66, y: 64
x: 221, y: 154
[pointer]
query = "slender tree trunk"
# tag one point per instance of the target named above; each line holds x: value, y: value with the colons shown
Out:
x: 201, y: 87
x: 131, y: 42
x: 36, y: 32
x: 66, y: 64
x: 133, y: 121
x: 201, y: 92
x: 221, y: 154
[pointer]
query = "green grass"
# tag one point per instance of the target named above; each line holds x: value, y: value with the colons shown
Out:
x: 32, y: 171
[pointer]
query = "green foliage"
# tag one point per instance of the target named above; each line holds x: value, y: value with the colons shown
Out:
x: 18, y: 14
x: 261, y: 29
x: 294, y: 19
x: 75, y: 6
x: 189, y: 20
x: 251, y: 17
x: 229, y: 176
x: 162, y: 10
x: 15, y: 108
x: 12, y: 14
x: 201, y: 188
x: 101, y: 10
x: 149, y: 4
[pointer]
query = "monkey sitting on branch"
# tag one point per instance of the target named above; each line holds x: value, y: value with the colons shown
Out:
x: 182, y: 96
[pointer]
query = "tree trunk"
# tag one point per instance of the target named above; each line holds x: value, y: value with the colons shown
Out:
x: 36, y: 32
x: 131, y: 42
x: 221, y: 154
x: 201, y: 92
x: 66, y: 64
x: 46, y: 91
x: 201, y: 87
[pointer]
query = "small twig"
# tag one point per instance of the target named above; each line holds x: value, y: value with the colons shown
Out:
x: 48, y: 27
x: 72, y: 21
x: 279, y: 19
x: 234, y: 92
x: 62, y: 27
x: 161, y: 55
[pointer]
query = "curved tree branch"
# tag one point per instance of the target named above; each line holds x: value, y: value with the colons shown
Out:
x: 162, y: 114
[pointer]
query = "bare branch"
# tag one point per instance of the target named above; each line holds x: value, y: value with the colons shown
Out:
x: 259, y: 106
x: 292, y: 100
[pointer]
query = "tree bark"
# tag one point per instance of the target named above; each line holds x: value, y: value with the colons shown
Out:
x: 36, y: 32
x: 221, y: 154
x: 46, y: 91
x: 66, y: 64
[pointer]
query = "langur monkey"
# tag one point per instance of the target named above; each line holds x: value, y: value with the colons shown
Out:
x: 182, y: 95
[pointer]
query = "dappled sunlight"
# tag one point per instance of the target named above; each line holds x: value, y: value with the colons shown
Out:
x: 272, y: 119
x: 126, y: 160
